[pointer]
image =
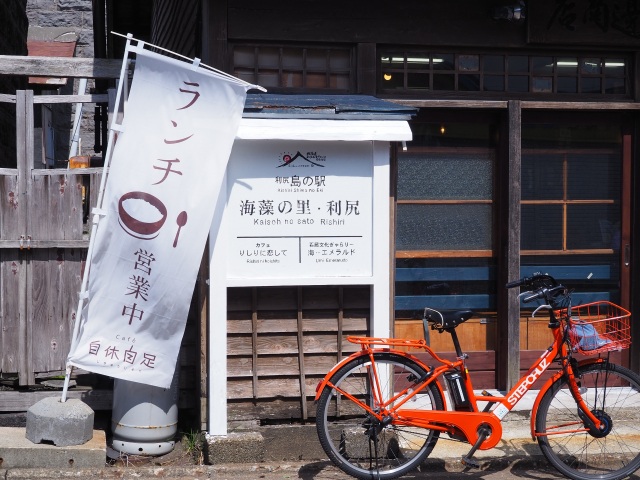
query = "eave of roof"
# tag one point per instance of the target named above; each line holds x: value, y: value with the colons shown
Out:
x: 331, y: 107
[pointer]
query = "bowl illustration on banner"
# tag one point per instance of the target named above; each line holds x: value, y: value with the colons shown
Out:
x: 141, y: 215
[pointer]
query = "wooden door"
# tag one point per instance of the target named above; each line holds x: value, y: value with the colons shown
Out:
x: 43, y: 243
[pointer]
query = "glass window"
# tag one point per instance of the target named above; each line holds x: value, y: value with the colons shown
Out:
x: 542, y: 65
x: 567, y: 85
x: 395, y: 81
x: 518, y: 83
x: 571, y: 197
x: 418, y: 80
x: 567, y: 66
x: 338, y: 59
x: 269, y: 58
x: 541, y: 227
x: 528, y: 74
x: 493, y: 83
x: 444, y: 219
x: 292, y: 58
x: 418, y: 63
x: 443, y: 227
x: 295, y: 68
x: 443, y: 61
x: 444, y: 82
x: 615, y: 85
x: 469, y: 83
x: 590, y: 66
x: 542, y: 84
x: 493, y: 63
x: 517, y: 64
x: 590, y: 85
x: 439, y: 178
x: 469, y: 63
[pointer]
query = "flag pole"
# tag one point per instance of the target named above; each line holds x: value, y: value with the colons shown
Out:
x: 213, y: 69
x: 97, y: 213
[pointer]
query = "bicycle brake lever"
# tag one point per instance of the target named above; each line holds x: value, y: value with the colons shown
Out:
x: 541, y: 306
x: 522, y: 294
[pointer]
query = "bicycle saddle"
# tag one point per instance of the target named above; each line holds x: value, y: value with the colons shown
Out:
x: 446, y: 319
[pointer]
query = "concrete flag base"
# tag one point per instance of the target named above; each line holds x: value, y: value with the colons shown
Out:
x: 61, y: 423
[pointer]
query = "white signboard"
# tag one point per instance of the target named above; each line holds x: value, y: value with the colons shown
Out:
x: 300, y: 209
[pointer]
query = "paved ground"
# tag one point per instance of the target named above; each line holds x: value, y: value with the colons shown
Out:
x: 293, y: 452
x: 320, y: 470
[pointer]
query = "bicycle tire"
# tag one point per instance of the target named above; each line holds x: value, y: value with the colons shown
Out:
x: 612, y: 392
x: 346, y: 431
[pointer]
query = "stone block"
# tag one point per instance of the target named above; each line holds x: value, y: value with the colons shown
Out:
x: 61, y: 423
x: 243, y: 447
x: 17, y: 454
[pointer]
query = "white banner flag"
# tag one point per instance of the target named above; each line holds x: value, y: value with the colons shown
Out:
x: 164, y: 179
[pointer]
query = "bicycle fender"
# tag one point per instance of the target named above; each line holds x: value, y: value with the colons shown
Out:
x: 323, y: 383
x: 547, y: 386
x: 334, y: 369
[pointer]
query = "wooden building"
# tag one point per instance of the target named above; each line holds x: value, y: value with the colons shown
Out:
x: 524, y: 158
x: 524, y: 147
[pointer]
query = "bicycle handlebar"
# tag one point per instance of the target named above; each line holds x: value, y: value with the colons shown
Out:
x: 533, y: 297
x: 542, y: 286
x: 537, y: 280
x: 518, y: 283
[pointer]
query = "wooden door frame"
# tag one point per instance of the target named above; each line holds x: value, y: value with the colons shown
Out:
x: 507, y: 348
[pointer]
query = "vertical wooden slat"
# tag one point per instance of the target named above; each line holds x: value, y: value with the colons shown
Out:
x: 254, y: 339
x: 340, y: 320
x: 340, y: 334
x: 22, y: 227
x: 10, y: 210
x: 303, y: 389
x: 565, y: 197
x: 203, y: 287
x: 40, y: 305
x: 367, y: 63
x: 29, y: 163
x: 508, y: 352
x: 214, y: 34
x: 625, y: 224
x: 625, y: 233
x: 24, y: 149
x: 393, y: 196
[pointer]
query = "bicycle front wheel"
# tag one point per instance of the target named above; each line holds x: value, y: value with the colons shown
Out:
x: 612, y: 394
x: 355, y: 440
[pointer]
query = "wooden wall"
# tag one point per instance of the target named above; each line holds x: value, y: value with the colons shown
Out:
x: 44, y: 236
x: 282, y: 341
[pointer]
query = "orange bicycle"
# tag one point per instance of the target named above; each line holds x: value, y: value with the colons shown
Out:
x: 381, y: 410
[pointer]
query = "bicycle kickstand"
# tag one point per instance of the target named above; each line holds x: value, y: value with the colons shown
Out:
x: 467, y: 460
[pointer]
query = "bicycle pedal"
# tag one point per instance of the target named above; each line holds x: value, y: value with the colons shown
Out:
x: 470, y: 462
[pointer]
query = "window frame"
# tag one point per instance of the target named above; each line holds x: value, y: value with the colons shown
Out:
x: 305, y: 70
x: 458, y: 71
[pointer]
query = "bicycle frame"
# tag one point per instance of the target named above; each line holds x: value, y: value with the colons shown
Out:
x: 467, y: 423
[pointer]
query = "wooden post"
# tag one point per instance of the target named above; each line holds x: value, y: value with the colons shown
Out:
x: 24, y: 150
x: 203, y: 299
x: 254, y: 340
x: 508, y: 352
x: 367, y: 64
x: 303, y: 381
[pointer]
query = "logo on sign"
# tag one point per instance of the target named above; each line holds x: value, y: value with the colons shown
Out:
x: 310, y: 159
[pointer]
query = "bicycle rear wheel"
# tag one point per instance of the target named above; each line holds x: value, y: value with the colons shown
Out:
x: 353, y: 439
x: 612, y: 393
